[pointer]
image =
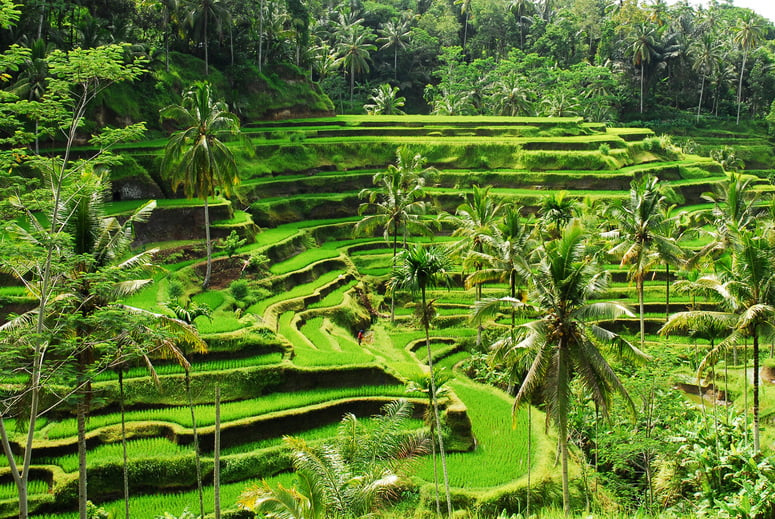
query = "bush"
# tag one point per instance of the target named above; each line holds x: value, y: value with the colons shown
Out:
x: 239, y: 289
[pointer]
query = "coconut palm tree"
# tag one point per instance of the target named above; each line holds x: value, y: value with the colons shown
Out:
x: 705, y: 52
x: 564, y: 340
x: 347, y: 477
x: 422, y: 385
x: 734, y: 211
x: 642, y: 46
x: 396, y: 33
x: 556, y: 211
x: 354, y: 51
x: 747, y: 292
x: 195, y: 157
x: 396, y: 201
x: 420, y: 268
x: 749, y: 32
x: 641, y: 238
x: 474, y: 221
x: 203, y: 15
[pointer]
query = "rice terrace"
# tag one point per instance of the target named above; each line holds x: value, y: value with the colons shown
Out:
x: 294, y: 314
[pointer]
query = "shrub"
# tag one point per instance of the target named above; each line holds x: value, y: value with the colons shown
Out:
x: 239, y: 289
x: 174, y: 289
x: 604, y: 148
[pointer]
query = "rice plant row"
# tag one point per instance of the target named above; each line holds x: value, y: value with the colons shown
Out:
x: 230, y: 411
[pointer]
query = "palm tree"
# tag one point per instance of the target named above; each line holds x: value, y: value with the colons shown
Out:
x: 510, y: 96
x: 195, y: 157
x: 642, y: 47
x: 354, y: 52
x: 422, y: 385
x: 747, y: 292
x: 733, y: 211
x: 474, y: 221
x: 200, y: 15
x: 385, y: 101
x: 348, y: 477
x: 33, y: 78
x: 641, y: 236
x: 522, y: 9
x: 749, y: 32
x: 395, y: 34
x: 556, y: 212
x: 705, y: 52
x: 564, y: 340
x: 397, y: 201
x: 421, y: 268
x: 465, y: 12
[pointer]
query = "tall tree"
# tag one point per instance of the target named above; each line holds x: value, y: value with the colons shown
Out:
x: 474, y: 222
x: 77, y: 77
x: 564, y: 341
x: 419, y: 269
x: 749, y: 32
x: 397, y: 201
x: 641, y: 45
x: 705, y: 52
x: 746, y: 293
x: 196, y: 158
x: 641, y: 235
x: 395, y: 34
x: 202, y: 16
x: 354, y: 50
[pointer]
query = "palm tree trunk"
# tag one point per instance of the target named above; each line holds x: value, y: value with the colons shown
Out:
x: 125, y: 471
x: 740, y: 88
x: 436, y: 415
x: 699, y: 105
x: 641, y: 311
x: 207, y: 62
x: 395, y: 253
x: 529, y: 458
x: 642, y: 75
x: 755, y: 390
x: 208, y: 246
x: 198, y: 461
x: 217, y: 453
x: 260, y: 35
x: 667, y: 291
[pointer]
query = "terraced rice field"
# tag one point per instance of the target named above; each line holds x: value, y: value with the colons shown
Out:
x: 308, y: 305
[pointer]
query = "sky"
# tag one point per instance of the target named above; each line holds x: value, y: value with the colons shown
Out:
x: 765, y: 8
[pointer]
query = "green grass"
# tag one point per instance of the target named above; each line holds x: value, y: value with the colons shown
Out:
x: 498, y: 443
x: 155, y: 505
x: 297, y: 291
x: 35, y: 486
x: 230, y: 411
x: 303, y: 259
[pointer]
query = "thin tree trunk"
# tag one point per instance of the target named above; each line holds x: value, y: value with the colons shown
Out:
x: 755, y: 390
x: 436, y: 415
x: 529, y: 458
x: 208, y: 245
x: 740, y: 88
x: 19, y: 478
x: 699, y: 105
x: 207, y: 62
x: 82, y: 487
x: 642, y: 75
x: 198, y: 461
x: 217, y: 453
x: 261, y: 37
x: 745, y: 388
x: 395, y: 253
x: 667, y: 291
x: 121, y: 403
x: 641, y: 311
